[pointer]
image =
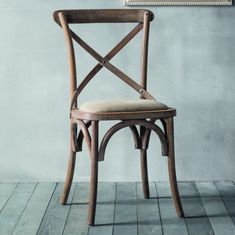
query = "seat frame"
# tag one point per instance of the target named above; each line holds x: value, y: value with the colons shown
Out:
x: 88, y: 123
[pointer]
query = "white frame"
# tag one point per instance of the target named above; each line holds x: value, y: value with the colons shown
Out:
x: 179, y: 2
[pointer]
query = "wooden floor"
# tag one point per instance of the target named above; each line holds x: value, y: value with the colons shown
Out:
x: 34, y: 208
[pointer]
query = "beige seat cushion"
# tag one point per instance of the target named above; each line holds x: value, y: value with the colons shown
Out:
x: 121, y: 105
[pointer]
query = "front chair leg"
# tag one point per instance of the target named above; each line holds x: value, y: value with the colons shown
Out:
x: 70, y: 169
x: 144, y: 172
x: 171, y: 168
x: 94, y: 173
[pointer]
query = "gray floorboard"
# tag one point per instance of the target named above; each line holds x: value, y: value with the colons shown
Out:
x: 215, y: 209
x: 56, y: 215
x: 77, y: 219
x: 227, y: 192
x: 34, y: 208
x: 148, y: 216
x: 125, y: 220
x: 104, y: 210
x: 172, y: 225
x: 195, y: 215
x: 6, y: 189
x: 14, y: 207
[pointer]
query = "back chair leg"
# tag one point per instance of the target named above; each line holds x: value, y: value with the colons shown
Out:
x: 144, y: 172
x: 70, y: 170
x: 171, y: 168
x: 94, y: 173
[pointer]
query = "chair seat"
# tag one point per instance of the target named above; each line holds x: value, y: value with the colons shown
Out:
x: 122, y: 109
x: 121, y: 105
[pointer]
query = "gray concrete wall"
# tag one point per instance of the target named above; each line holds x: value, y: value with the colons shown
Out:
x: 192, y: 58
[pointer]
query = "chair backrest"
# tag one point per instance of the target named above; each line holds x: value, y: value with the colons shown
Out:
x: 142, y: 17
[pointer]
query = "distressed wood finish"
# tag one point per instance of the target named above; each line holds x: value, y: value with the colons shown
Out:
x: 144, y: 172
x: 71, y: 55
x: 94, y: 172
x: 171, y: 167
x: 123, y: 124
x: 70, y: 170
x: 145, y: 51
x: 103, y: 16
x: 144, y: 120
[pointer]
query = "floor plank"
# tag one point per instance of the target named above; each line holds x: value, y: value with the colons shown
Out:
x: 14, y: 207
x: 6, y: 189
x: 227, y: 193
x: 56, y: 214
x: 215, y: 209
x: 77, y: 218
x: 105, y: 210
x: 35, y: 209
x: 172, y: 225
x: 195, y: 214
x: 148, y: 212
x: 125, y: 220
x: 31, y: 208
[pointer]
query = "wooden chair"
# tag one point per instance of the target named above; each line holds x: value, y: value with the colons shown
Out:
x: 132, y: 113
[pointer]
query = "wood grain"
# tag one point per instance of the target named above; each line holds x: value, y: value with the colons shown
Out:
x: 6, y: 189
x: 56, y: 214
x: 215, y: 209
x: 145, y: 119
x: 148, y: 216
x: 103, y: 16
x: 105, y: 210
x: 121, y: 209
x: 195, y: 214
x: 35, y: 209
x: 14, y: 207
x: 76, y: 223
x: 227, y: 193
x: 125, y: 220
x: 171, y: 224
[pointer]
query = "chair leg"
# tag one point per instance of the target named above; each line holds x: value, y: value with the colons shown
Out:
x: 144, y: 172
x: 94, y: 173
x: 171, y: 168
x: 70, y: 171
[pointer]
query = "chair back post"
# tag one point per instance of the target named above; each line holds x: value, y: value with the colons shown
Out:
x: 143, y: 17
x: 144, y: 59
x: 71, y: 54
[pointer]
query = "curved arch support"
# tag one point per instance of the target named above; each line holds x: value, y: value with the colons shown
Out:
x: 146, y: 138
x: 163, y: 124
x: 133, y: 129
x: 129, y: 123
x: 80, y: 136
x: 73, y: 131
x: 136, y: 137
x: 85, y: 132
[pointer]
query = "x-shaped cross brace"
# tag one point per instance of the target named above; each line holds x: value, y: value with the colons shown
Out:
x: 104, y: 62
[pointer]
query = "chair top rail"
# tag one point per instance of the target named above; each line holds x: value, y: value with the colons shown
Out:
x: 104, y: 16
